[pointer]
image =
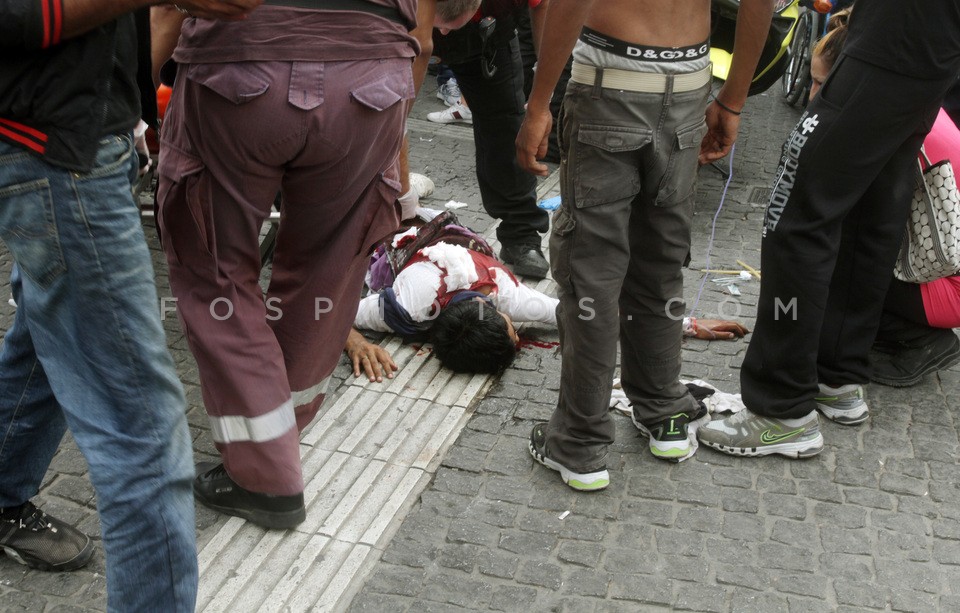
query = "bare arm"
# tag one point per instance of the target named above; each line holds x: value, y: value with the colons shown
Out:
x: 560, y: 28
x: 165, y: 22
x: 753, y: 23
x: 424, y: 35
x: 537, y: 16
x: 81, y: 16
x: 426, y: 9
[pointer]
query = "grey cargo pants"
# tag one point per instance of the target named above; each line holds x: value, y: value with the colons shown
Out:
x: 628, y: 175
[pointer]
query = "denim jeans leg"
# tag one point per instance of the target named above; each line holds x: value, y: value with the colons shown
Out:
x: 90, y: 305
x: 31, y: 422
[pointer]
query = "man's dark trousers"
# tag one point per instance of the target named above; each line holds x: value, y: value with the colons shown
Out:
x: 509, y: 194
x: 832, y: 232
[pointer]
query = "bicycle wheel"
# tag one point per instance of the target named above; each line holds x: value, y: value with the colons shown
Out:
x: 796, y: 78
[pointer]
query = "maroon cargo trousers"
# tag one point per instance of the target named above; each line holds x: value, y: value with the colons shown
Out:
x: 326, y: 135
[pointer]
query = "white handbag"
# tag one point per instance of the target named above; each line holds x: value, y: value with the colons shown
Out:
x: 931, y: 243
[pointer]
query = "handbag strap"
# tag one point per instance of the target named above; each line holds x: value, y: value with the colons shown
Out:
x: 923, y: 156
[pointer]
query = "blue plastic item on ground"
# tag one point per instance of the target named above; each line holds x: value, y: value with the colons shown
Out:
x: 550, y: 204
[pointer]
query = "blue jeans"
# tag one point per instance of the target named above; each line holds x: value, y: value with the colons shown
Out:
x: 87, y: 352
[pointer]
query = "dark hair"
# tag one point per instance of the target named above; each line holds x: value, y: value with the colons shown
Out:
x: 828, y: 48
x: 471, y: 336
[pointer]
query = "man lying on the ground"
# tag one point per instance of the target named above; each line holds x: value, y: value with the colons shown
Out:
x: 441, y: 283
x: 463, y: 301
x: 374, y: 362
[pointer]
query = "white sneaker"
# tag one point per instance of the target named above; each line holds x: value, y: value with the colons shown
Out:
x: 844, y: 404
x: 455, y: 114
x: 421, y: 184
x: 449, y: 92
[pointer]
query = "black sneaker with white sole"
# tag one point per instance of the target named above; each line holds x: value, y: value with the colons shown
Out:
x: 670, y: 437
x: 588, y: 481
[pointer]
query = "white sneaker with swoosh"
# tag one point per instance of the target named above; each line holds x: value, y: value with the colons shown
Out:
x: 748, y: 434
x: 844, y: 405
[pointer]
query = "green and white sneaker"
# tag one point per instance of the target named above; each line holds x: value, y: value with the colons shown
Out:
x: 844, y: 404
x: 590, y: 481
x: 669, y: 437
x: 749, y: 434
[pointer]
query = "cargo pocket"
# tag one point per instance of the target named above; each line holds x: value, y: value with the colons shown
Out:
x: 185, y: 215
x: 680, y: 179
x: 383, y: 220
x: 389, y: 88
x: 28, y: 227
x: 561, y: 238
x: 607, y: 160
x: 238, y: 82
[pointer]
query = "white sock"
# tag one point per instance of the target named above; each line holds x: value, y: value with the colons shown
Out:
x: 408, y: 204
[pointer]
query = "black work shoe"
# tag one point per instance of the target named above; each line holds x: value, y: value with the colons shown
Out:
x: 912, y: 361
x: 214, y: 488
x: 525, y: 260
x: 31, y: 537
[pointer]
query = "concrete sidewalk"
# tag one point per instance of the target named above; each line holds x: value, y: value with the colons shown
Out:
x: 422, y: 496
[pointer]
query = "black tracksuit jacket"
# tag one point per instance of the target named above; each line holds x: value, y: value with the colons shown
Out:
x: 58, y: 98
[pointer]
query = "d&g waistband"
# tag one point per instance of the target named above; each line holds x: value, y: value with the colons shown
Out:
x: 643, y: 52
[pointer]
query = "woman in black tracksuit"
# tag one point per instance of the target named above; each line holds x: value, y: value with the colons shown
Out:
x: 834, y: 223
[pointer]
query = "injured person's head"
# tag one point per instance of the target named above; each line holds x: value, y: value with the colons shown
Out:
x: 472, y: 336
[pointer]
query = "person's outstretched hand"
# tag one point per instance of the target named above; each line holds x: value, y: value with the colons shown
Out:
x: 373, y: 359
x: 532, y: 141
x: 720, y: 329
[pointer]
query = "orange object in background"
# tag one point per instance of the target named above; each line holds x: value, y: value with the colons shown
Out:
x: 163, y: 97
x: 823, y: 6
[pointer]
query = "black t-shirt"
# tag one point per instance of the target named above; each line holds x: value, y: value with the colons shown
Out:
x: 501, y: 8
x: 920, y: 38
x: 122, y: 109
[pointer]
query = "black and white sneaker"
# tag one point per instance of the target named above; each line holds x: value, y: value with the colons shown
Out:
x: 31, y: 537
x: 588, y: 481
x: 670, y: 436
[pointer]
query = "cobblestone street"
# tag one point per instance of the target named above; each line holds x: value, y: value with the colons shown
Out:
x: 872, y: 523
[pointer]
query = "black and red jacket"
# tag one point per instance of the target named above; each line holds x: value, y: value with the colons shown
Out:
x: 58, y: 97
